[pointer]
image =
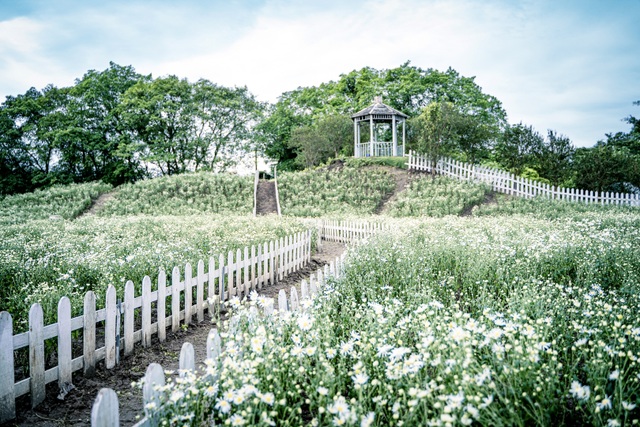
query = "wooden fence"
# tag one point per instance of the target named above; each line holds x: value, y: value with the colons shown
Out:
x: 507, y: 183
x: 348, y: 231
x: 248, y: 270
x: 105, y: 411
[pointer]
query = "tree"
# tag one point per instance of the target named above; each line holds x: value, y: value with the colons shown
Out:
x: 613, y: 164
x: 97, y: 144
x: 160, y: 115
x: 29, y: 138
x: 518, y: 147
x: 434, y: 131
x: 316, y: 144
x: 224, y: 119
x: 555, y: 157
x: 406, y: 88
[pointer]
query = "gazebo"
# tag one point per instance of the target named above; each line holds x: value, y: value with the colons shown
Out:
x: 383, y: 131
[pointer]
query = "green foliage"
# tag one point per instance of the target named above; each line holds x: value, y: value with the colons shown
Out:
x: 406, y: 88
x: 613, y: 164
x: 185, y: 194
x: 42, y: 260
x: 346, y: 190
x: 436, y: 197
x: 329, y: 137
x: 55, y: 203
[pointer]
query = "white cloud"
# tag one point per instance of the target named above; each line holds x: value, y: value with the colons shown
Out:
x: 552, y: 65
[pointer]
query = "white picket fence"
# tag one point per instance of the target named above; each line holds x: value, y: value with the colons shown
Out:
x: 248, y: 270
x: 505, y: 182
x: 348, y: 231
x: 105, y: 411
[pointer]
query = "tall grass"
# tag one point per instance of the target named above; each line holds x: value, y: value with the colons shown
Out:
x: 186, y: 194
x: 64, y: 201
x: 437, y: 197
x: 347, y: 190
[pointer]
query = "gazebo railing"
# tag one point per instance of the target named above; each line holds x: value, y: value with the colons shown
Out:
x: 380, y: 149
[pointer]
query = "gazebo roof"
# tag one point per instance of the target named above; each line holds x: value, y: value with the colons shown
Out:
x: 378, y: 109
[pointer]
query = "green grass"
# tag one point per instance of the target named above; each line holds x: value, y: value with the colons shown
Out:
x: 66, y: 202
x: 348, y: 190
x: 186, y: 194
x: 436, y: 197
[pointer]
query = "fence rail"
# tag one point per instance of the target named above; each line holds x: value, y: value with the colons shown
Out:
x: 505, y: 182
x: 238, y: 273
x: 105, y: 410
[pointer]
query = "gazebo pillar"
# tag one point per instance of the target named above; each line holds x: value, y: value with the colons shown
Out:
x: 371, y: 136
x: 394, y: 133
x: 356, y: 140
x: 404, y: 134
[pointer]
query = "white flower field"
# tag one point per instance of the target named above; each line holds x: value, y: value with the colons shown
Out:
x: 521, y: 313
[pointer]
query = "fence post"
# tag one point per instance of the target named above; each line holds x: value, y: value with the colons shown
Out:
x: 161, y: 306
x: 259, y: 272
x: 214, y: 344
x: 7, y: 393
x: 221, y: 289
x: 153, y: 380
x: 128, y: 317
x: 200, y: 291
x: 89, y: 334
x: 110, y: 328
x: 188, y: 294
x: 294, y: 299
x: 64, y: 347
x: 36, y: 355
x: 211, y: 292
x: 187, y: 358
x: 105, y: 411
x: 175, y: 299
x: 146, y: 311
x: 282, y: 302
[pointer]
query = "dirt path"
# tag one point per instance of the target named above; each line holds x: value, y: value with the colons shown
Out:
x: 76, y: 409
x: 402, y: 178
x: 97, y: 204
x: 266, y: 198
x: 489, y: 199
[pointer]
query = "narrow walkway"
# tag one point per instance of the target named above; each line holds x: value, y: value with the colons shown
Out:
x: 97, y: 204
x: 266, y: 198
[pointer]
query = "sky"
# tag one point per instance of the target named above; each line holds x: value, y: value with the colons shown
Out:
x: 572, y: 66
